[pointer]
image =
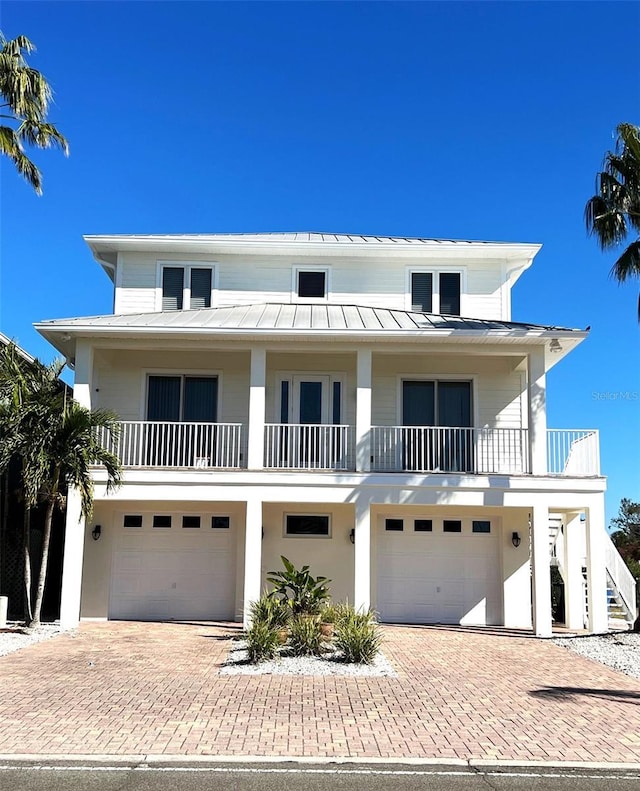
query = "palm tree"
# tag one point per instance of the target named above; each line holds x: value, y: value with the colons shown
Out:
x: 26, y: 97
x: 614, y: 211
x: 57, y: 442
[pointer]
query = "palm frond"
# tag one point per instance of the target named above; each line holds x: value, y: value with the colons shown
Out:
x: 11, y: 147
x: 628, y: 264
x: 42, y: 135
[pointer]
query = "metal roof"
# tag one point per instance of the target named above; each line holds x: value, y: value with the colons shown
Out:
x: 300, y: 236
x: 302, y: 317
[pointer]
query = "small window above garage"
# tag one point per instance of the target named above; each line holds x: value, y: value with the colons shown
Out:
x: 310, y: 525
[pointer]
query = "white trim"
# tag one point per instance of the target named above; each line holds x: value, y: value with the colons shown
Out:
x: 117, y: 287
x: 296, y: 269
x: 187, y: 266
x: 147, y: 372
x: 309, y: 535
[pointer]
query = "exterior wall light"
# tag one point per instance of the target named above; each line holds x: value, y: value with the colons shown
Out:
x: 352, y: 535
x: 515, y: 539
x: 96, y: 532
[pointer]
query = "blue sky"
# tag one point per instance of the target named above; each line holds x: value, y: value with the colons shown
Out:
x: 480, y: 120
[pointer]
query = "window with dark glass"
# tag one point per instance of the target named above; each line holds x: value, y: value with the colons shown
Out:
x: 306, y: 525
x: 182, y: 398
x: 200, y: 288
x: 423, y: 525
x: 422, y: 292
x: 450, y: 293
x: 220, y: 522
x: 481, y: 526
x: 452, y: 526
x: 312, y: 284
x: 132, y: 520
x: 161, y: 520
x: 190, y: 521
x: 172, y: 287
x: 395, y: 525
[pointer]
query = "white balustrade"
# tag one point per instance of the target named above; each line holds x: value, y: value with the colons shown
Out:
x: 297, y: 446
x: 195, y: 445
x: 573, y: 452
x: 623, y: 579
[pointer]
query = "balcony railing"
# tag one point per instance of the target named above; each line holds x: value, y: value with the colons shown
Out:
x: 573, y: 452
x: 443, y: 449
x: 196, y: 445
x: 422, y: 449
x: 295, y: 446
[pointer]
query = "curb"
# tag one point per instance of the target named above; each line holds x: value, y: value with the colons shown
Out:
x: 151, y: 761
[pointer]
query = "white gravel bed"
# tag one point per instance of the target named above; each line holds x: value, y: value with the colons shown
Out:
x: 14, y: 636
x: 619, y: 650
x: 332, y: 664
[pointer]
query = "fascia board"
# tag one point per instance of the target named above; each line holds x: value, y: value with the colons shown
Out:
x: 186, y: 244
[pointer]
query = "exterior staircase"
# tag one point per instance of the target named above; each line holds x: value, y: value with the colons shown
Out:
x: 621, y: 586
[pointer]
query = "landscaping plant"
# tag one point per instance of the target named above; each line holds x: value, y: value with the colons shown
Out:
x: 357, y: 635
x: 270, y: 611
x: 305, y: 638
x: 301, y: 592
x: 263, y: 641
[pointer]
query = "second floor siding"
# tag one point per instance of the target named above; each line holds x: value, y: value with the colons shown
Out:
x: 237, y: 280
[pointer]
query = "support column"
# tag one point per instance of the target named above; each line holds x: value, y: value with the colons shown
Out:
x: 537, y: 392
x: 362, y: 562
x: 257, y: 388
x: 71, y: 593
x: 252, y: 557
x: 83, y: 374
x: 596, y: 567
x: 573, y: 580
x: 363, y: 411
x: 72, y: 562
x: 541, y: 571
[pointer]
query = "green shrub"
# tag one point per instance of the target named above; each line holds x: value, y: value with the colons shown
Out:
x: 357, y: 635
x: 329, y: 613
x: 270, y: 611
x: 298, y: 589
x: 262, y: 642
x: 305, y: 638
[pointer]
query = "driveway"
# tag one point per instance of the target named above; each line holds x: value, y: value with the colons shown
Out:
x: 137, y: 689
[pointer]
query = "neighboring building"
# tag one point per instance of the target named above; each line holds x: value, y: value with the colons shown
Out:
x: 362, y: 404
x: 12, y: 541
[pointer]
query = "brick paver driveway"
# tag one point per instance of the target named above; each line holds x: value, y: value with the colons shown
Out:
x: 130, y: 688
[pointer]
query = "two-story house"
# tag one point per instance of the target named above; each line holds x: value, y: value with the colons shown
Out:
x: 362, y: 404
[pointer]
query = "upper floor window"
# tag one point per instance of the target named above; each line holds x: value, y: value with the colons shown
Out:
x: 435, y: 292
x: 182, y: 398
x: 188, y: 286
x: 311, y: 283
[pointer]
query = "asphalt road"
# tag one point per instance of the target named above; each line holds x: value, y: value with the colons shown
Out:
x: 296, y: 777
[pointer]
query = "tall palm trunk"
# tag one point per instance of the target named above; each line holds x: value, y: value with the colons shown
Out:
x: 44, y: 560
x: 26, y: 556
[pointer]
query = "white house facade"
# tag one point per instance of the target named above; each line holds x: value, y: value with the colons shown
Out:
x: 365, y: 405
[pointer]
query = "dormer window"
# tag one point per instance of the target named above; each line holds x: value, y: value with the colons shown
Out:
x: 435, y: 292
x: 311, y: 283
x: 189, y: 286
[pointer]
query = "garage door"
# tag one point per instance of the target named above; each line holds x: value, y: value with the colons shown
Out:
x: 438, y: 571
x: 174, y: 572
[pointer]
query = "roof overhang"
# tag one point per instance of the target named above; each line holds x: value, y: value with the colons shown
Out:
x: 516, y: 256
x: 557, y: 342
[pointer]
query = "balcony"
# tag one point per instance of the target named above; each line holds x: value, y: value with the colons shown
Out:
x: 192, y: 445
x: 419, y: 449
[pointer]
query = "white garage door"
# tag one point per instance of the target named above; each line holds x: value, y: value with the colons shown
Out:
x: 433, y: 576
x: 173, y: 573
